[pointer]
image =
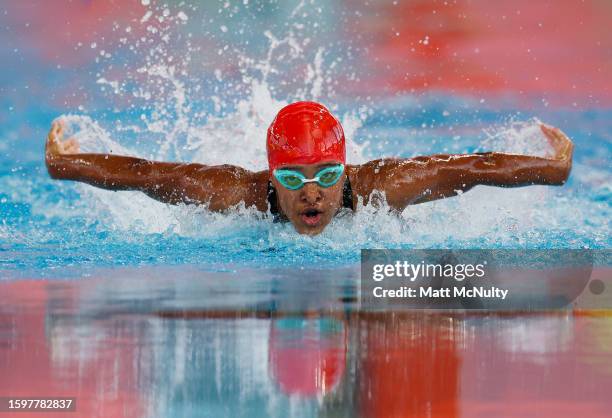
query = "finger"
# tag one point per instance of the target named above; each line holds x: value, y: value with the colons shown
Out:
x: 72, y: 148
x: 559, y: 133
x: 51, y: 137
x: 53, y: 127
x: 60, y: 129
x: 74, y: 145
x: 546, y: 130
x: 57, y: 129
x: 555, y: 134
x: 71, y: 142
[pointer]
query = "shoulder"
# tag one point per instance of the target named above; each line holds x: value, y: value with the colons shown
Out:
x: 256, y: 189
x: 227, y: 185
x: 374, y: 166
x: 371, y: 175
x: 250, y: 187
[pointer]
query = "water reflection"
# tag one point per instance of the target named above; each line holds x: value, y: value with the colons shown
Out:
x: 409, y: 366
x: 307, y: 356
x: 65, y: 339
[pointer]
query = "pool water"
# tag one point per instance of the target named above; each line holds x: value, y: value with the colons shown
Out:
x: 137, y: 308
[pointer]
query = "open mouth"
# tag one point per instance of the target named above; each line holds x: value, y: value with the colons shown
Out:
x: 311, y: 216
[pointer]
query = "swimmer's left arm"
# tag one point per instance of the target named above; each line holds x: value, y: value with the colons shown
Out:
x: 422, y: 179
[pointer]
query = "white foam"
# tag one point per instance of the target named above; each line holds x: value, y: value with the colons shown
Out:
x: 517, y: 137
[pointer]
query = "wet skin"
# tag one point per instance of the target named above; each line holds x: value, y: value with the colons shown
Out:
x: 402, y: 181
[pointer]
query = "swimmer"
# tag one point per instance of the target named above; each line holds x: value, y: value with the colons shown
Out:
x: 308, y: 181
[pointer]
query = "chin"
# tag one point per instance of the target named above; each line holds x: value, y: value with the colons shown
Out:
x: 312, y: 230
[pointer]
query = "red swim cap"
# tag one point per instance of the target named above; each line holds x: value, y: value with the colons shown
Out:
x: 307, y: 357
x: 305, y: 133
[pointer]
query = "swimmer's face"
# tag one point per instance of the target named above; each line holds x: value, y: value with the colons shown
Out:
x: 312, y: 207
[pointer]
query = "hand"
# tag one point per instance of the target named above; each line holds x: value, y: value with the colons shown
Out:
x: 563, y: 150
x: 561, y: 144
x: 55, y: 146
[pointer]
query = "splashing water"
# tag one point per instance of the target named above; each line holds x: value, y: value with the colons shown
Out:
x: 223, y: 137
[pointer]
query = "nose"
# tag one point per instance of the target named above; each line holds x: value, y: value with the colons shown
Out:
x: 311, y: 193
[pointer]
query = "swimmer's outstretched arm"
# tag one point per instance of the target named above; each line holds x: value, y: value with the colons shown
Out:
x: 218, y: 187
x: 422, y: 179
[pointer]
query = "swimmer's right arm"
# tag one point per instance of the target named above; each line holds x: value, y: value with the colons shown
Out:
x: 218, y: 187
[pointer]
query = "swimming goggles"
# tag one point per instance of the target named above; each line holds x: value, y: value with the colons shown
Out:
x: 294, y: 180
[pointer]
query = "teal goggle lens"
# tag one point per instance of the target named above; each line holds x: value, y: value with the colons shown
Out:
x: 294, y: 180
